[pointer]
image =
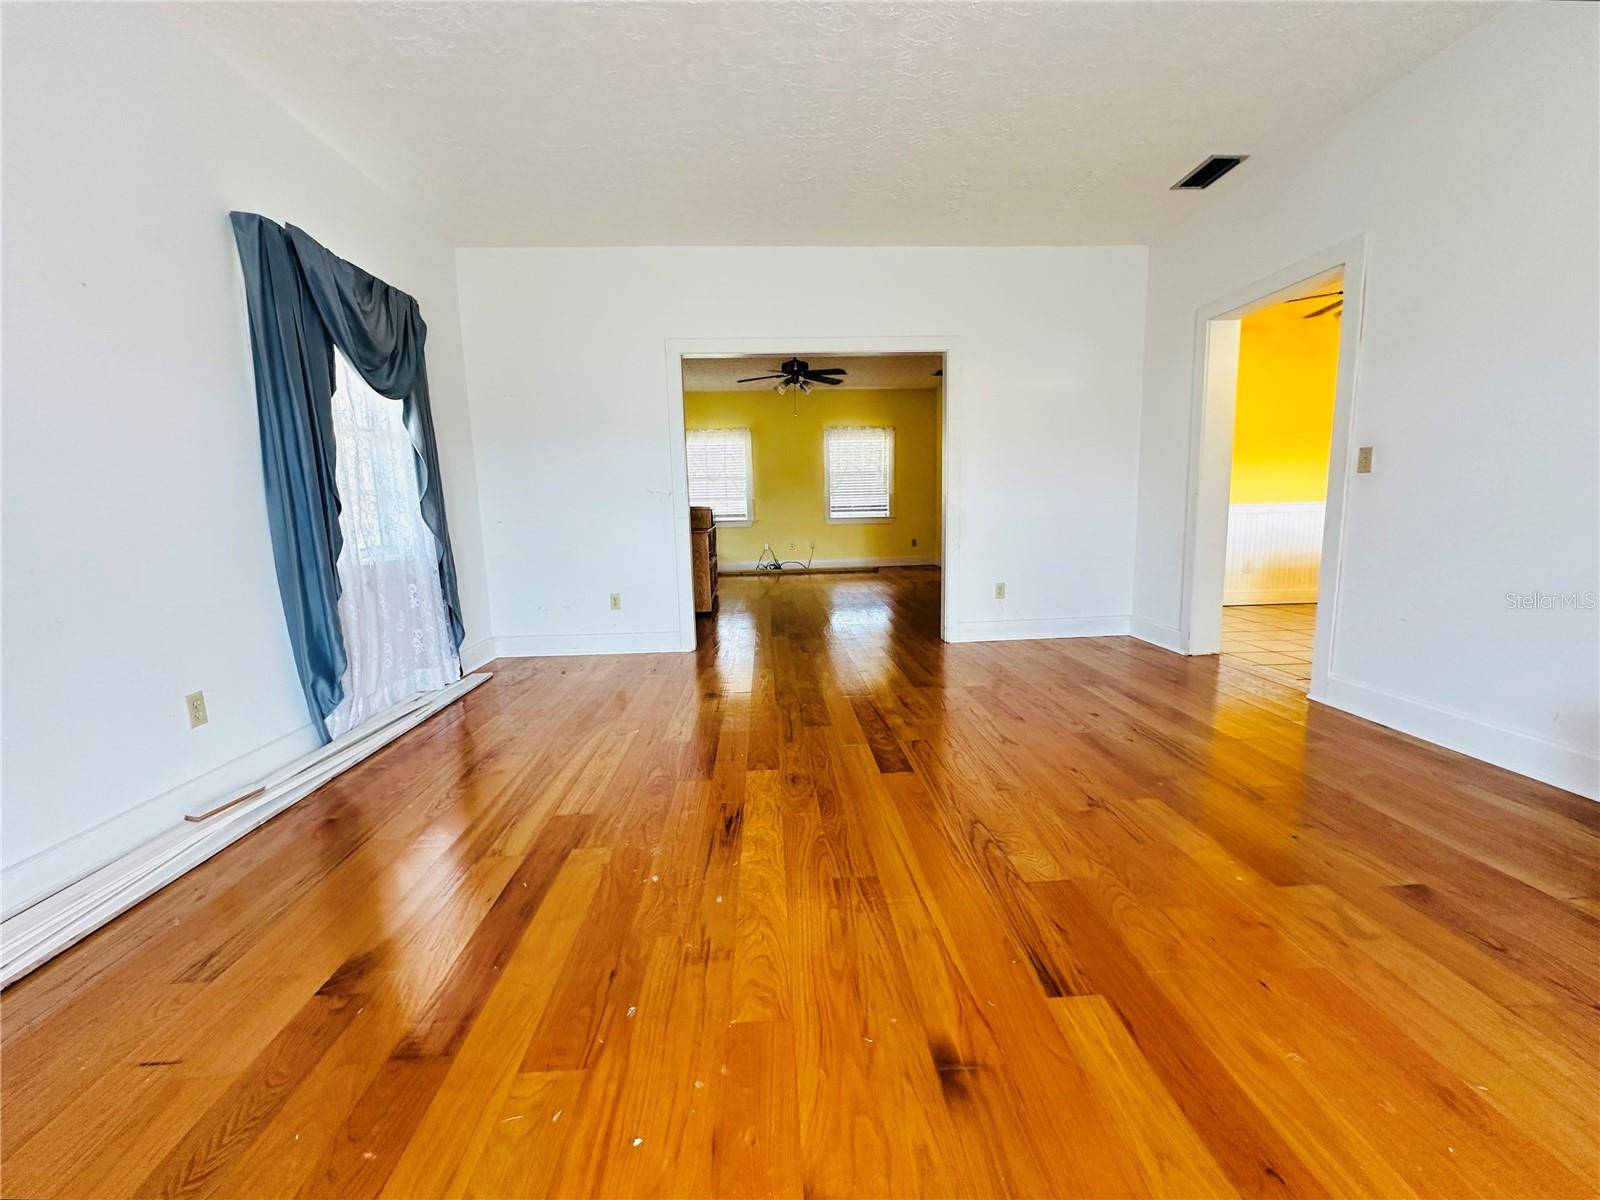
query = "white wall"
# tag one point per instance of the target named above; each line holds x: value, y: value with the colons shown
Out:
x: 566, y: 362
x: 137, y: 564
x: 1475, y: 182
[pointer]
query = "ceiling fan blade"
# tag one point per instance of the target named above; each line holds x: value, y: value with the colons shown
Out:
x: 1326, y: 308
x: 828, y: 371
x: 815, y: 378
x: 755, y: 378
x: 1318, y: 296
x: 939, y: 373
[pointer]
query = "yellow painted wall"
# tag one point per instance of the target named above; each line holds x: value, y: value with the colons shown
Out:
x: 1283, y: 414
x: 789, y: 505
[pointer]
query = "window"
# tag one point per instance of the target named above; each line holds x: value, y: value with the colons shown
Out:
x: 392, y: 617
x: 860, y: 468
x: 719, y: 472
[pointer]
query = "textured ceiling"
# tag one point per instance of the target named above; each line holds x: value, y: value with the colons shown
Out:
x: 876, y: 371
x: 816, y: 123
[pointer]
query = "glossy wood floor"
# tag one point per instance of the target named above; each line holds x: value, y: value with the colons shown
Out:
x: 831, y: 909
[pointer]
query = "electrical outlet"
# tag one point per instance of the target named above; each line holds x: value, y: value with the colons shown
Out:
x: 1364, y: 461
x: 913, y: 542
x: 196, y: 704
x: 616, y: 599
x: 999, y: 591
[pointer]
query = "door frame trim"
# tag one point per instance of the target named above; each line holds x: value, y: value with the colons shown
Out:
x: 677, y: 349
x: 1210, y: 467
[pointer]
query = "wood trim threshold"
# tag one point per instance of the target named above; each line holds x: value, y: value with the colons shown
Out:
x: 225, y: 805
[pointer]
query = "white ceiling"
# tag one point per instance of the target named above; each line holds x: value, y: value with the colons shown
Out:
x: 971, y: 122
x: 876, y: 371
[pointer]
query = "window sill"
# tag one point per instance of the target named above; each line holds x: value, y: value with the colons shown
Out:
x: 721, y: 523
x: 889, y: 520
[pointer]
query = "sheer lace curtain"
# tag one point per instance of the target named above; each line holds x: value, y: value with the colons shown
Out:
x: 391, y: 606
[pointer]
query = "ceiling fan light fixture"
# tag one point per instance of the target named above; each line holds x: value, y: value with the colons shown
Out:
x: 796, y: 374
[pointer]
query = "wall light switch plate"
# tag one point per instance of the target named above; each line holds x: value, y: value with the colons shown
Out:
x: 1364, y: 461
x: 999, y: 591
x: 616, y: 599
x: 913, y: 541
x: 195, y: 702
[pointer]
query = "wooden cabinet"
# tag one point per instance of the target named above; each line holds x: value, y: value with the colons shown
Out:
x: 703, y: 558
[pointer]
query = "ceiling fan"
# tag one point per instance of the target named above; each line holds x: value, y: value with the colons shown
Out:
x: 797, y: 373
x: 1335, y: 308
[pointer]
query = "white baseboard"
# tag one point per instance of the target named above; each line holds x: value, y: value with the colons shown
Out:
x: 842, y: 564
x: 1028, y: 628
x: 1568, y: 767
x: 1304, y: 595
x: 543, y: 645
x: 474, y: 654
x: 1158, y: 634
x: 25, y: 882
x: 41, y: 930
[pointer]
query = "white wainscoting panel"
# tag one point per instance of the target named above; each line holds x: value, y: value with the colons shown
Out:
x: 1273, y: 553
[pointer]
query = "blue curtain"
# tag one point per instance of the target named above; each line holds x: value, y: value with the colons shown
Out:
x: 304, y: 301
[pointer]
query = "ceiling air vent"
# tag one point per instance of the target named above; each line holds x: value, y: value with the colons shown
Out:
x: 1208, y: 172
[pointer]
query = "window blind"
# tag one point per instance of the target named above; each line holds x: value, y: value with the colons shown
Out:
x: 719, y: 471
x: 860, y: 470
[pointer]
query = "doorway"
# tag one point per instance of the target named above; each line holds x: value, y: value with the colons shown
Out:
x: 814, y: 464
x: 1278, y: 484
x: 1274, y: 403
x: 814, y: 478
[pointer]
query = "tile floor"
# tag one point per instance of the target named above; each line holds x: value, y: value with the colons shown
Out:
x: 1273, y: 639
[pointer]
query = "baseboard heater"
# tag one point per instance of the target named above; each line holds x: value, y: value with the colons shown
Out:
x: 37, y: 933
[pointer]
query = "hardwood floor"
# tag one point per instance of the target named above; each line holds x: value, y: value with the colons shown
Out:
x: 833, y: 909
